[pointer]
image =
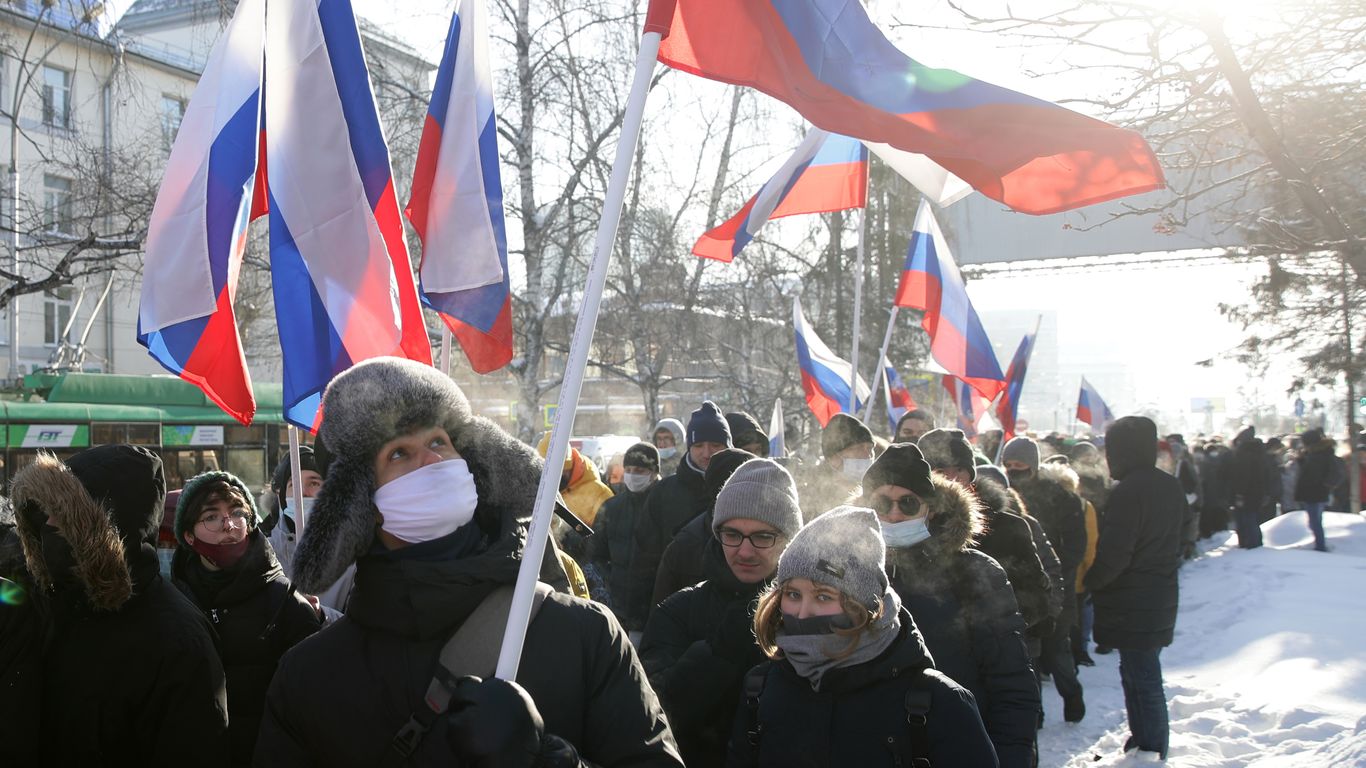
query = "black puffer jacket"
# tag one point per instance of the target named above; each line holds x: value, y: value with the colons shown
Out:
x: 1051, y: 566
x: 24, y: 624
x: 858, y: 718
x: 257, y: 618
x: 699, y: 683
x: 1007, y: 539
x: 612, y: 549
x: 340, y: 696
x: 1063, y: 518
x: 131, y: 676
x: 681, y: 565
x: 1133, y: 580
x: 965, y: 609
x: 1318, y: 475
x: 673, y: 502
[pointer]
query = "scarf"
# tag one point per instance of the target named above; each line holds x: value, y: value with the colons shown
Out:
x: 810, y: 655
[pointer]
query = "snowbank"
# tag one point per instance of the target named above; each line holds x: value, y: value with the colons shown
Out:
x: 1268, y: 667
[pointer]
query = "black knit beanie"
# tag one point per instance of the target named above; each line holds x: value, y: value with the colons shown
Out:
x: 841, y: 432
x: 901, y: 464
x: 944, y: 448
x: 642, y: 455
x: 723, y: 465
x: 706, y: 425
x: 280, y: 480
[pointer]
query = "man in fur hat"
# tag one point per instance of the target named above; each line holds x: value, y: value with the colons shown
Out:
x: 432, y: 504
x: 131, y: 676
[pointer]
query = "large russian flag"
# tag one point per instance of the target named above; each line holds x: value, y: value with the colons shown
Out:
x: 969, y: 405
x: 457, y: 201
x: 828, y: 61
x: 1007, y: 408
x: 344, y: 289
x: 828, y: 172
x: 199, y: 223
x: 1091, y: 408
x: 931, y: 283
x: 825, y: 377
x: 897, y: 397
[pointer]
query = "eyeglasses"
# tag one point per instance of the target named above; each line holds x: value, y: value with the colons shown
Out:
x: 215, y: 522
x: 909, y: 505
x: 759, y: 539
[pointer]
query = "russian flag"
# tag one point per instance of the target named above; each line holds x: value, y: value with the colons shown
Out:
x: 199, y: 223
x: 969, y: 405
x: 777, y: 431
x: 828, y: 172
x: 931, y: 283
x: 1007, y: 408
x: 344, y: 289
x: 825, y: 377
x: 1091, y: 408
x: 457, y: 201
x: 896, y: 396
x: 828, y: 61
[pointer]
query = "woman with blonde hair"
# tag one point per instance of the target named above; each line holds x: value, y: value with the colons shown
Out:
x: 849, y: 681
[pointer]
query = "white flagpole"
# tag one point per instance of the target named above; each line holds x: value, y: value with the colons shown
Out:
x: 296, y: 475
x: 858, y: 304
x: 446, y: 348
x: 882, y: 355
x: 777, y: 431
x: 520, y: 613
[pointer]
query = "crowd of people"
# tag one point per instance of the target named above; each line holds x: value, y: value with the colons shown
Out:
x: 895, y: 602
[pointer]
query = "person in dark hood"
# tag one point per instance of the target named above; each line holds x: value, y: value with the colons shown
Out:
x: 131, y: 676
x: 226, y: 567
x: 746, y: 434
x: 847, y: 451
x: 432, y: 503
x: 960, y: 597
x: 1215, y: 494
x: 1062, y: 515
x: 1133, y: 580
x: 667, y: 438
x: 700, y: 641
x: 682, y: 563
x: 612, y: 546
x: 1247, y: 480
x: 1320, y: 472
x: 850, y: 681
x: 676, y: 500
x: 24, y: 624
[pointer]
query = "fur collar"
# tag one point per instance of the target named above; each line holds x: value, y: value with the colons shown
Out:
x: 955, y: 517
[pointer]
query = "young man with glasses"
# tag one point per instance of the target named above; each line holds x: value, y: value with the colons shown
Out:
x: 699, y: 643
x: 960, y: 598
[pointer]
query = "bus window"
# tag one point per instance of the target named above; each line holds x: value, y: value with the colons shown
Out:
x: 144, y: 434
x: 249, y: 464
x: 108, y: 434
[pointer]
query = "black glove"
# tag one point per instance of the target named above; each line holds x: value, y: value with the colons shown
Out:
x: 733, y: 637
x: 494, y: 723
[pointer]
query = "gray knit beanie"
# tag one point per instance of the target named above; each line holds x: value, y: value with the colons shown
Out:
x: 760, y: 490
x: 842, y: 548
x: 1022, y: 449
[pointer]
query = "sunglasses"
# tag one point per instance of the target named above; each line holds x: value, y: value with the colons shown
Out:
x: 909, y: 505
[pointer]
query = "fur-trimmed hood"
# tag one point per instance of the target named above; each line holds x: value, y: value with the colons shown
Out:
x: 956, y: 519
x: 993, y: 497
x: 105, y: 540
x: 370, y: 404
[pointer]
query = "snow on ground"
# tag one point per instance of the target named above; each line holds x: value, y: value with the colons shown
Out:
x: 1268, y: 666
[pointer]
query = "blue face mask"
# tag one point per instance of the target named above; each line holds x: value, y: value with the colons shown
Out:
x: 906, y: 533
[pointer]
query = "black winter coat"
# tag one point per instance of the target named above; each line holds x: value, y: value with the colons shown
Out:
x: 131, y: 677
x: 1008, y: 540
x: 1318, y: 475
x: 612, y: 549
x: 24, y: 625
x: 966, y: 611
x: 682, y: 564
x: 340, y: 696
x: 1248, y: 472
x: 1133, y: 581
x: 697, y: 646
x: 673, y: 502
x: 858, y: 718
x: 257, y: 619
x: 1063, y: 518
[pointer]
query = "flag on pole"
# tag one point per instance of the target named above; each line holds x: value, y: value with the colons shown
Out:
x: 827, y: 172
x: 930, y: 282
x: 777, y: 431
x: 457, y: 201
x: 1091, y: 408
x: 896, y: 396
x: 828, y: 61
x: 969, y: 404
x: 825, y: 376
x: 344, y: 289
x: 1007, y: 408
x: 931, y: 179
x: 198, y: 227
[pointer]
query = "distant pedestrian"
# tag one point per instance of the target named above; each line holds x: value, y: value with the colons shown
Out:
x: 847, y: 451
x: 612, y: 546
x: 746, y: 434
x: 1248, y: 482
x: 668, y: 440
x: 1320, y: 471
x: 912, y: 425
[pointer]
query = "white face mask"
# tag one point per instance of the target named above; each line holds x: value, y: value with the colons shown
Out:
x: 668, y: 453
x: 429, y: 502
x: 293, y: 514
x: 637, y: 483
x: 906, y: 533
x: 854, y: 469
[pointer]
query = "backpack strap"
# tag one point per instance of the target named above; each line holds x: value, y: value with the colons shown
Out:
x: 472, y: 650
x: 918, y: 699
x: 753, y: 688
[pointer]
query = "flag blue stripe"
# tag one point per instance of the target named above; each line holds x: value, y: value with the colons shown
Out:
x: 344, y: 52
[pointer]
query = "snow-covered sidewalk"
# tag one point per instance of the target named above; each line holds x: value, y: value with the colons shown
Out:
x: 1268, y: 667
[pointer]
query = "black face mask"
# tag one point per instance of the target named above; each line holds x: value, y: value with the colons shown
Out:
x: 1019, y: 475
x: 816, y: 625
x: 60, y: 560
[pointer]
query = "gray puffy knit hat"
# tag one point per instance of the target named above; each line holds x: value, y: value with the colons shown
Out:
x: 1022, y: 449
x: 842, y: 548
x: 760, y: 490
